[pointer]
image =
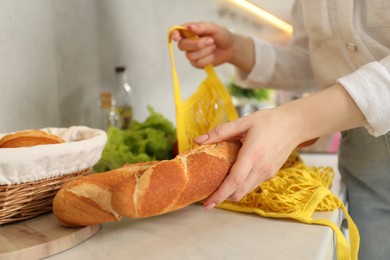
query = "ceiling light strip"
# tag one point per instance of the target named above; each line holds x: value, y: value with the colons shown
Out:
x: 254, y: 9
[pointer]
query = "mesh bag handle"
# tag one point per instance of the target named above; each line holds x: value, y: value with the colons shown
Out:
x: 208, y: 107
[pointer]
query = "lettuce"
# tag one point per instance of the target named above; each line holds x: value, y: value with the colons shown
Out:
x: 150, y: 140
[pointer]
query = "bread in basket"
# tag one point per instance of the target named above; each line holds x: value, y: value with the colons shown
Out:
x: 31, y: 176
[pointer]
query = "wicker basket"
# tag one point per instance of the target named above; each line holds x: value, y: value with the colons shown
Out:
x: 28, y: 198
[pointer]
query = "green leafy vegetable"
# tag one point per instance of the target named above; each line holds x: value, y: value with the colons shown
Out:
x: 150, y: 140
x: 251, y: 94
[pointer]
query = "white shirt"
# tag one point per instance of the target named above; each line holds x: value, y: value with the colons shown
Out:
x: 334, y: 41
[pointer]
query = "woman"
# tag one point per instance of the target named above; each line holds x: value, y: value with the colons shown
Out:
x: 341, y: 49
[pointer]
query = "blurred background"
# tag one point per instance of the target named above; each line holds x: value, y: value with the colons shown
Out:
x: 56, y: 57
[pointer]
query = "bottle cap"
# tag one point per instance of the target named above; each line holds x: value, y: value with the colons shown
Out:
x: 120, y: 69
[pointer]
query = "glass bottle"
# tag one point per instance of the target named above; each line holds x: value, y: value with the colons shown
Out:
x: 122, y: 100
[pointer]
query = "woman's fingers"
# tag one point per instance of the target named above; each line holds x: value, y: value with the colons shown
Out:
x: 250, y: 170
x: 192, y: 44
x: 204, y: 31
x: 201, y: 53
x: 202, y: 28
x: 175, y: 35
x: 231, y: 130
x: 239, y: 180
x: 259, y: 173
x: 214, y: 44
x: 235, y: 179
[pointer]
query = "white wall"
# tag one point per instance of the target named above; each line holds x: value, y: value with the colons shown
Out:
x: 56, y: 56
x: 28, y: 93
x: 77, y: 61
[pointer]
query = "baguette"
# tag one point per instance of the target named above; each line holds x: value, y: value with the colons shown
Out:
x: 145, y: 189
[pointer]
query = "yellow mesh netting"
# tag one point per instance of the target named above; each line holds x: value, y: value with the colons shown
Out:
x: 291, y: 188
x: 207, y: 108
x: 295, y: 192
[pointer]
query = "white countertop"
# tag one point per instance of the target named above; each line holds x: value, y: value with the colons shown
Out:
x: 193, y: 233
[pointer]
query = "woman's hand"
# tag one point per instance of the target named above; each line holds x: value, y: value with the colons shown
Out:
x: 215, y: 45
x: 267, y: 139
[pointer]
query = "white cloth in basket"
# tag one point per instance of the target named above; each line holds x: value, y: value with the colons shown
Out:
x: 82, y: 149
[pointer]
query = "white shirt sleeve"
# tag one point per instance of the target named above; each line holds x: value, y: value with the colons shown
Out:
x: 260, y: 75
x: 283, y: 68
x: 369, y: 87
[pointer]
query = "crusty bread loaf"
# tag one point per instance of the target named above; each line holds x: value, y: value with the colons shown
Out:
x: 145, y: 189
x: 28, y: 138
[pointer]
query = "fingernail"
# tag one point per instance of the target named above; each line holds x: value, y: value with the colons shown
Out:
x: 209, y: 206
x: 192, y: 26
x: 202, y: 138
x: 209, y: 41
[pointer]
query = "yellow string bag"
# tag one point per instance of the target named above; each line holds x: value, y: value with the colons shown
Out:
x: 208, y: 107
x: 296, y: 192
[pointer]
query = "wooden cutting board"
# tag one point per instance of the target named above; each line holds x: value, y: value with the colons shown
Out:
x: 40, y: 237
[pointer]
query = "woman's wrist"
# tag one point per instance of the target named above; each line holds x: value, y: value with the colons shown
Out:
x: 292, y: 124
x: 243, y: 53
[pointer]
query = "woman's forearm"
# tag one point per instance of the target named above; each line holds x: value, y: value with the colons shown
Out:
x: 322, y: 113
